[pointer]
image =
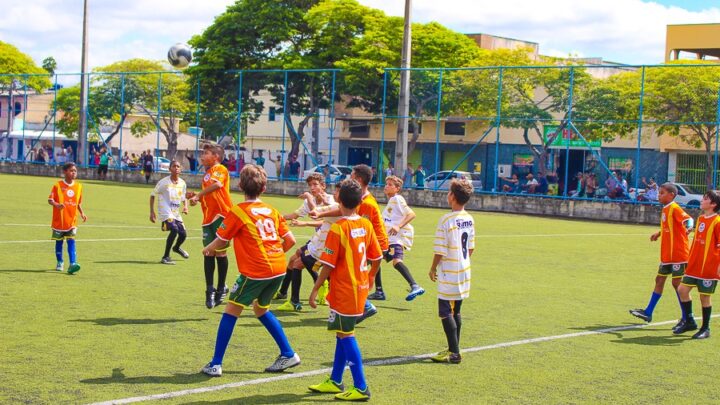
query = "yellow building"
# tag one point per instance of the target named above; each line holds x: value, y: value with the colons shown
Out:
x: 700, y: 40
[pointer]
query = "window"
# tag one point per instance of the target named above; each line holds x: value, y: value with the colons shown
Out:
x: 411, y: 127
x: 359, y: 129
x: 455, y: 128
x: 271, y: 114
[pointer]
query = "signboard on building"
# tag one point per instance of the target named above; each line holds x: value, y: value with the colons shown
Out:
x: 568, y: 138
x: 523, y: 159
x: 622, y: 164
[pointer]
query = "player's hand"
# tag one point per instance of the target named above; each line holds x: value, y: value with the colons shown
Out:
x: 193, y: 200
x: 59, y: 206
x: 152, y: 216
x: 313, y: 297
x: 394, y: 230
x: 314, y: 214
x: 654, y: 236
x: 185, y: 210
x: 304, y: 196
x: 208, y: 252
x: 190, y: 194
x: 295, y: 222
x: 83, y: 216
x: 433, y: 275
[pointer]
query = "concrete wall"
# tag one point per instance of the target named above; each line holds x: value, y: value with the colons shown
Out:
x: 528, y: 205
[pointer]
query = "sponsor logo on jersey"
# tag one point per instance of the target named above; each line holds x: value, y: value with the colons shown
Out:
x: 701, y: 227
x: 463, y: 223
x: 357, y: 233
x: 207, y: 177
x: 329, y: 251
x: 70, y: 193
x: 264, y: 211
x: 664, y: 217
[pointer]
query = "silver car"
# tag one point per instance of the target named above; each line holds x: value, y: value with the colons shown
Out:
x: 441, y: 180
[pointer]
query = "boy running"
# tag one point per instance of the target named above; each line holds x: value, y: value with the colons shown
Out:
x: 703, y: 269
x: 260, y: 238
x: 350, y: 243
x: 675, y: 224
x: 66, y: 199
x: 454, y: 245
x: 171, y: 196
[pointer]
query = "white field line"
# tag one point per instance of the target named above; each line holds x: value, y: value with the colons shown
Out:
x: 395, y: 360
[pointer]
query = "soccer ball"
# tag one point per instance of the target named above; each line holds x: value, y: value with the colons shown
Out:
x: 180, y: 55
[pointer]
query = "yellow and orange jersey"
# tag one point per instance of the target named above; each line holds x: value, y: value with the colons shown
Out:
x: 350, y: 243
x: 674, y: 245
x: 370, y: 210
x: 705, y: 251
x: 257, y: 231
x: 70, y: 195
x: 218, y: 202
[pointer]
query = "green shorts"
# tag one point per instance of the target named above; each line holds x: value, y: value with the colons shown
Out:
x: 677, y: 270
x: 341, y: 323
x: 60, y: 235
x: 210, y: 230
x: 246, y: 290
x: 705, y: 287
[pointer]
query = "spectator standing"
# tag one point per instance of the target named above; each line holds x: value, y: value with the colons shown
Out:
x: 293, y: 167
x: 148, y: 165
x: 420, y: 177
x: 390, y: 171
x: 192, y: 160
x: 408, y: 176
x: 591, y: 185
x: 260, y: 160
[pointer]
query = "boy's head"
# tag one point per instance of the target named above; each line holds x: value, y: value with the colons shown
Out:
x: 316, y: 184
x: 70, y: 170
x: 175, y: 167
x: 253, y: 180
x: 667, y: 193
x: 362, y: 174
x: 710, y: 201
x: 212, y: 154
x: 460, y: 192
x: 393, y: 184
x: 350, y: 194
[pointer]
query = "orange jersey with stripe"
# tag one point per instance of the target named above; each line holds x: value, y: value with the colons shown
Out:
x: 69, y: 195
x: 370, y: 209
x: 218, y: 202
x: 705, y: 251
x: 257, y: 231
x: 674, y: 244
x: 350, y: 243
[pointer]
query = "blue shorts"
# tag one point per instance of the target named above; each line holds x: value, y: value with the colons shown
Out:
x: 173, y: 225
x: 395, y: 252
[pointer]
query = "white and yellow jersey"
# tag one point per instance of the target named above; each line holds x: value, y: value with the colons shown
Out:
x: 304, y: 208
x: 170, y: 198
x: 454, y: 239
x: 394, y: 212
x: 317, y: 242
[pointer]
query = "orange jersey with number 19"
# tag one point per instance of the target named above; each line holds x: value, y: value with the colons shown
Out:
x: 70, y: 195
x: 674, y: 245
x: 218, y: 202
x: 257, y: 231
x: 350, y: 243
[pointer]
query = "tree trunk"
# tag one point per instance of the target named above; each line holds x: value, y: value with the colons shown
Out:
x: 172, y: 144
x: 537, y: 153
x: 116, y: 130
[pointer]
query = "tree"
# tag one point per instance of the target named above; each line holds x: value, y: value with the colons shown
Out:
x: 19, y: 67
x: 50, y: 65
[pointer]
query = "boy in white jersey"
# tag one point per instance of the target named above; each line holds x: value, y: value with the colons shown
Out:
x: 397, y: 217
x: 171, y: 192
x: 453, y: 246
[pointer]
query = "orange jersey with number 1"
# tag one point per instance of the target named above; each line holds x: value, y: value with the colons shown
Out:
x: 674, y: 245
x: 257, y: 231
x: 70, y: 195
x: 218, y: 202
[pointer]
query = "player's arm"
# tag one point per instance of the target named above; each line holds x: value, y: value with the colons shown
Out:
x: 291, y: 216
x: 655, y: 236
x: 374, y: 267
x: 324, y: 273
x: 185, y: 201
x: 433, y: 267
x: 54, y: 204
x: 152, y: 208
x: 207, y: 190
x: 317, y: 214
x: 313, y: 224
x: 409, y: 216
x: 288, y: 241
x: 82, y: 213
x: 217, y: 244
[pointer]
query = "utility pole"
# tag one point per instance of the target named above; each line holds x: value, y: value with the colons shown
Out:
x: 82, y: 128
x: 401, y: 145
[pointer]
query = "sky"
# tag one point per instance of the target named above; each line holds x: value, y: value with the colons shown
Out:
x: 623, y: 31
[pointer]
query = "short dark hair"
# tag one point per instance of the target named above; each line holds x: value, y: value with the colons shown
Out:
x: 316, y: 177
x: 67, y: 166
x: 714, y: 198
x: 253, y: 180
x: 216, y: 150
x: 363, y: 173
x: 462, y: 190
x: 350, y: 193
x: 670, y: 188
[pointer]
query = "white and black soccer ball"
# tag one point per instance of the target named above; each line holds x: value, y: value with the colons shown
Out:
x: 180, y: 55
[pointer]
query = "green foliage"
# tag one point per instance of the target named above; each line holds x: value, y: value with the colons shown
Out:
x: 50, y: 65
x: 15, y: 65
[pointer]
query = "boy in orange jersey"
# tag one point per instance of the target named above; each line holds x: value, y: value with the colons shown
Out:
x: 66, y: 199
x: 703, y: 270
x: 215, y: 202
x: 350, y: 244
x: 675, y: 224
x: 260, y: 238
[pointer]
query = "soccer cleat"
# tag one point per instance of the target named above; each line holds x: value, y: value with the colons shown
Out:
x: 354, y: 394
x: 283, y: 363
x: 414, y: 292
x: 378, y: 295
x: 74, y: 268
x: 446, y: 356
x: 181, y: 252
x: 289, y: 306
x: 367, y: 313
x: 221, y: 295
x: 327, y: 387
x: 322, y: 293
x: 60, y: 266
x: 640, y: 313
x: 167, y: 260
x: 702, y: 334
x: 213, y: 370
x: 685, y: 326
x: 210, y: 298
x: 279, y: 296
x: 677, y: 325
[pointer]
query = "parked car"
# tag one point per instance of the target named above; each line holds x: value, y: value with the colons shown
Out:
x: 688, y: 195
x: 162, y: 164
x: 337, y: 172
x: 441, y: 180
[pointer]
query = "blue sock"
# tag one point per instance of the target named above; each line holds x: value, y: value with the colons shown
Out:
x: 58, y: 250
x: 339, y: 362
x: 653, y: 301
x: 225, y: 331
x: 354, y: 358
x: 273, y: 326
x: 71, y: 251
x: 680, y: 302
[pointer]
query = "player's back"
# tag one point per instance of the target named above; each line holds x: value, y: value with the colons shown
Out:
x: 674, y: 243
x: 454, y: 239
x: 370, y: 209
x: 218, y: 202
x: 70, y: 195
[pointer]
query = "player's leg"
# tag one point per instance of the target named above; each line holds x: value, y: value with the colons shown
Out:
x: 333, y: 384
x: 294, y: 273
x: 360, y: 390
x: 677, y: 276
x: 224, y: 333
x: 72, y: 252
x: 222, y: 265
x: 282, y: 292
x: 688, y: 322
x: 458, y: 319
x: 169, y: 225
x: 398, y: 254
x: 287, y: 358
x: 209, y: 267
x: 706, y: 290
x: 182, y: 235
x: 58, y: 250
x: 446, y: 311
x: 646, y: 314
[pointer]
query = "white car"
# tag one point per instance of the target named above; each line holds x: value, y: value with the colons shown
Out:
x: 337, y: 172
x: 688, y: 195
x: 162, y: 164
x: 441, y: 180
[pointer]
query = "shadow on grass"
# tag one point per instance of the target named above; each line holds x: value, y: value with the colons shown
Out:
x: 127, y: 262
x: 141, y: 321
x: 270, y: 399
x: 39, y: 271
x: 665, y: 340
x: 118, y: 377
x: 608, y: 329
